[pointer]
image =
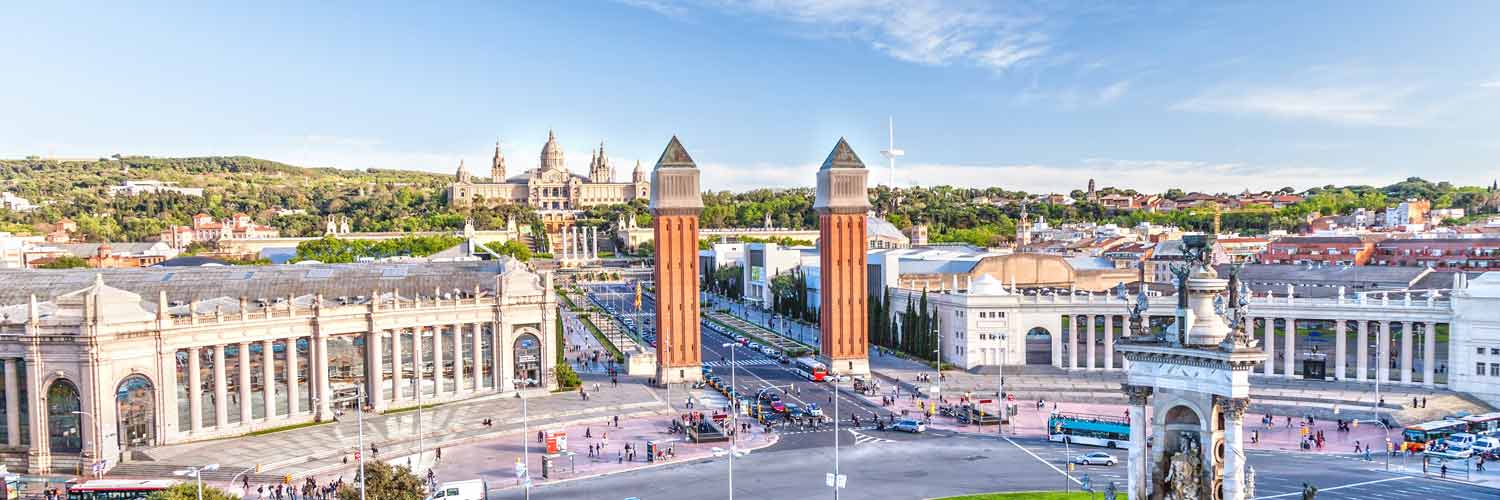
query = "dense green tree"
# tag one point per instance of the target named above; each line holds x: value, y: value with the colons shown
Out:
x: 384, y: 481
x: 189, y: 491
x: 65, y: 262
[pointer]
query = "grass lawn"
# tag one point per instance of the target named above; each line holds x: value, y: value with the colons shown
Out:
x: 1025, y: 495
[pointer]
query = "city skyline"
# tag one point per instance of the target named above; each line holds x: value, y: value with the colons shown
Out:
x: 1219, y: 98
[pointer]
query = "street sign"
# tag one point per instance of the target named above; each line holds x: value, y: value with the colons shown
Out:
x: 842, y: 480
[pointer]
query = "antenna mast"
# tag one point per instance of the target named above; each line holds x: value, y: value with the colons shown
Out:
x: 892, y: 153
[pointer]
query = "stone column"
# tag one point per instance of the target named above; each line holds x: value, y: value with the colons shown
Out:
x: 221, y: 389
x: 1340, y: 351
x: 398, y: 366
x: 437, y: 360
x: 13, y: 404
x: 195, y: 390
x: 1109, y: 342
x: 1270, y: 346
x: 1073, y: 331
x: 246, y: 406
x: 268, y: 376
x: 1291, y: 348
x: 1057, y: 345
x: 1234, y: 445
x: 373, y: 370
x: 292, y: 391
x: 1138, y: 461
x: 1383, y: 352
x: 1429, y: 354
x: 478, y: 356
x: 1362, y: 350
x: 458, y: 358
x: 1406, y: 339
x: 1092, y: 339
x: 320, y: 365
x: 501, y: 352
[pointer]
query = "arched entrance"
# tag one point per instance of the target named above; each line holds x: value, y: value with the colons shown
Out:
x: 1038, y: 346
x: 64, y: 434
x: 135, y: 409
x: 1181, y: 422
x: 528, y: 356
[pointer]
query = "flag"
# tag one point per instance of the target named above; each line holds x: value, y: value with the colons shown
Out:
x: 637, y: 295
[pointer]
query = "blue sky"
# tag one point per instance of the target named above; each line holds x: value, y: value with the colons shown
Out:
x: 1036, y: 96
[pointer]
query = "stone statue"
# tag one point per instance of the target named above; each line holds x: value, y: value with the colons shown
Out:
x: 1184, y: 470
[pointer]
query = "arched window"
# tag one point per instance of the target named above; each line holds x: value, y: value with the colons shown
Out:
x: 135, y: 409
x: 528, y: 356
x: 64, y: 434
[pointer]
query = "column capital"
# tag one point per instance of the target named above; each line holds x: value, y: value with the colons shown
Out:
x: 1139, y: 394
x: 1232, y: 408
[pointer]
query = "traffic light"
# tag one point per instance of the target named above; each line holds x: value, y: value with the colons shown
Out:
x: 287, y: 479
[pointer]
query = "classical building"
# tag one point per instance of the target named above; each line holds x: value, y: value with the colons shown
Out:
x: 205, y: 229
x: 96, y: 363
x: 555, y: 192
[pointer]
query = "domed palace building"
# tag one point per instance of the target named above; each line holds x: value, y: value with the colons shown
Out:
x: 556, y: 193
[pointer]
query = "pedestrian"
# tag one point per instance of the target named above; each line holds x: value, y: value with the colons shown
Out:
x: 588, y: 432
x: 617, y: 420
x: 1424, y: 401
x: 1414, y: 402
x: 622, y: 456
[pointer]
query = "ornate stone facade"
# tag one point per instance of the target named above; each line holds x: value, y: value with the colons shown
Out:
x: 147, y: 370
x: 550, y: 188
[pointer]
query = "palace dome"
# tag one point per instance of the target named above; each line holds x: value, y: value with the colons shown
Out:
x: 552, y: 155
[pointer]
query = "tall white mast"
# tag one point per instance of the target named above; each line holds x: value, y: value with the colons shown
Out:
x: 892, y: 153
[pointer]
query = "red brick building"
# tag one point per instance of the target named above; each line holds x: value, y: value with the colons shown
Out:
x: 1331, y: 250
x: 1446, y: 254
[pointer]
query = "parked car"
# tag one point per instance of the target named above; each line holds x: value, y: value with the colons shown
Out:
x: 910, y: 425
x: 1096, y: 458
x: 1486, y: 445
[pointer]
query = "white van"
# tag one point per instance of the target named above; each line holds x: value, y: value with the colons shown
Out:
x: 473, y: 489
x: 1485, y: 445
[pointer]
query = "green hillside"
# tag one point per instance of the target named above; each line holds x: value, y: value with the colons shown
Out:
x: 373, y: 199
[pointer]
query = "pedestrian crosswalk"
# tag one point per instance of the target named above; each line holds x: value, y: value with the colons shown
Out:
x: 862, y: 438
x: 740, y: 362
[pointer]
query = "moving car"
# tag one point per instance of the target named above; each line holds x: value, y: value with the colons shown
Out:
x: 910, y: 425
x: 777, y: 405
x: 1486, y: 445
x: 1096, y: 458
x: 813, y: 410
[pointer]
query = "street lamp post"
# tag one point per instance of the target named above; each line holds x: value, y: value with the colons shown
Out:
x: 834, y: 386
x: 197, y: 474
x: 359, y: 404
x: 525, y: 435
x: 734, y: 420
x: 97, y: 431
x: 237, y: 476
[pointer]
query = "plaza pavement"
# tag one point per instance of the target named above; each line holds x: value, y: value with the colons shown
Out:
x: 321, y: 449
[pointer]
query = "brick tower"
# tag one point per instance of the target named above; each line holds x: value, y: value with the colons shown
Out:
x: 675, y: 205
x: 841, y: 205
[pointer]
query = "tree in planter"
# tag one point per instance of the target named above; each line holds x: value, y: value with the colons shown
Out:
x: 384, y: 481
x: 189, y: 491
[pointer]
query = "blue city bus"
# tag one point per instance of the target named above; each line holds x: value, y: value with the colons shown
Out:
x: 1093, y: 430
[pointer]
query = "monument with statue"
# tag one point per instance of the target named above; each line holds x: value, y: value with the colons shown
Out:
x: 1195, y: 379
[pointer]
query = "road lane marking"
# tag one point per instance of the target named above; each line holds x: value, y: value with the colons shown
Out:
x: 1039, y: 459
x: 1332, y: 488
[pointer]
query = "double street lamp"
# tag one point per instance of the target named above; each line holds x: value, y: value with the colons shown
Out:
x: 525, y: 433
x: 197, y: 474
x: 734, y: 407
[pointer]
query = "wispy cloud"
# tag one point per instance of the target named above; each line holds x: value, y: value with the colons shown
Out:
x: 935, y: 33
x: 1113, y: 91
x: 1491, y: 85
x: 1373, y: 105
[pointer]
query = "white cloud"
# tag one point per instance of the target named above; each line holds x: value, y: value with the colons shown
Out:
x: 1352, y: 105
x: 1113, y: 91
x: 1151, y: 176
x: 1491, y: 85
x: 934, y: 33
